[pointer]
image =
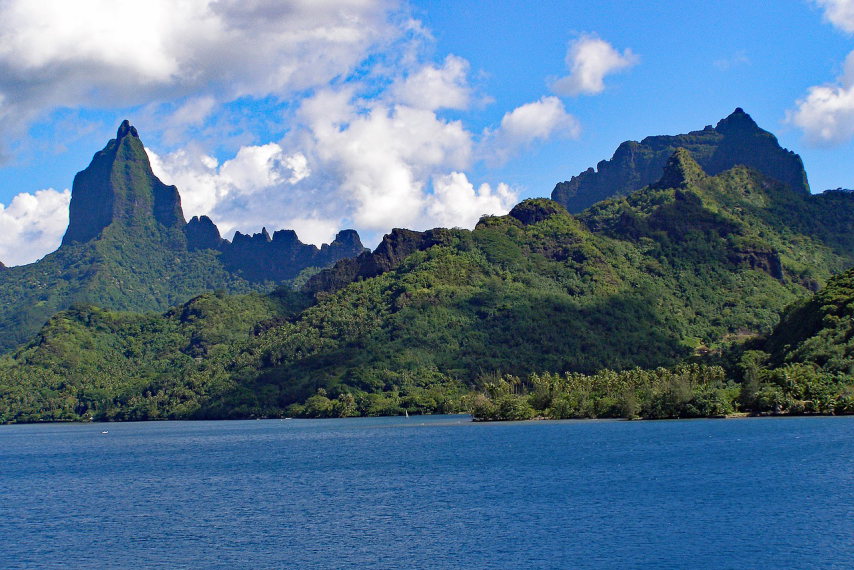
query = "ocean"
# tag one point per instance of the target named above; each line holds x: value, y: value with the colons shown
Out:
x: 429, y: 492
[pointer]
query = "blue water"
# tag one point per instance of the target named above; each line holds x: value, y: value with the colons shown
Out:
x: 431, y: 492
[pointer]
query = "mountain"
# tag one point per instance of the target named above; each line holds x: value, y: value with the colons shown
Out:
x: 128, y: 247
x: 682, y: 269
x: 736, y: 140
x: 119, y: 190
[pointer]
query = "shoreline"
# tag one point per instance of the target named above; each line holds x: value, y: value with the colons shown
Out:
x: 472, y: 419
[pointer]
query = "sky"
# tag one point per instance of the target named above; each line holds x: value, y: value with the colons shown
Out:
x: 320, y: 115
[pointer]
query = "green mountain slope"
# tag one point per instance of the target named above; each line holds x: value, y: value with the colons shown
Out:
x: 819, y: 331
x: 805, y: 366
x: 676, y: 270
x: 90, y: 362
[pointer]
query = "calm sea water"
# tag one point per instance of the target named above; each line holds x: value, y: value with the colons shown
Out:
x: 429, y: 492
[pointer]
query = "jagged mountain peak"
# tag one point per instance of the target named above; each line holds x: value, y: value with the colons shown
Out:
x: 202, y: 233
x: 119, y: 187
x: 262, y: 257
x: 737, y: 121
x: 126, y: 129
x: 127, y: 247
x: 348, y: 239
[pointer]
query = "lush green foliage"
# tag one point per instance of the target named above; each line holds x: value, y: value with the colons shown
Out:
x: 123, y: 271
x: 807, y: 364
x: 686, y: 391
x: 819, y: 330
x: 90, y: 363
x: 689, y: 391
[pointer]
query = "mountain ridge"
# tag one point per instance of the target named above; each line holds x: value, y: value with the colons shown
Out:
x: 735, y: 140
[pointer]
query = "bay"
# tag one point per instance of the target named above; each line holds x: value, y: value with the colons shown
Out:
x: 429, y: 492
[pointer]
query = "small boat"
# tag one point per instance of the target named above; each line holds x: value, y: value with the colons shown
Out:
x: 105, y: 432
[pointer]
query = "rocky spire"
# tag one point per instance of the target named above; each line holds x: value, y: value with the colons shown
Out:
x: 737, y: 122
x: 119, y: 187
x: 202, y: 233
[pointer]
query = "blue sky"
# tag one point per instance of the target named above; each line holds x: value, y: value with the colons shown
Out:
x: 375, y: 114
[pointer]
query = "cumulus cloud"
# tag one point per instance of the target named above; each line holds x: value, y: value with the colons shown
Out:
x: 235, y: 193
x: 382, y: 159
x: 826, y: 113
x: 32, y: 225
x: 589, y: 59
x: 350, y: 161
x: 840, y: 13
x: 536, y: 121
x: 114, y: 53
x: 456, y: 203
x: 433, y: 87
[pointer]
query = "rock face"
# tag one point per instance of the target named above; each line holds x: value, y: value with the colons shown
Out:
x: 736, y: 140
x: 202, y: 233
x: 260, y: 257
x: 767, y: 261
x: 118, y: 187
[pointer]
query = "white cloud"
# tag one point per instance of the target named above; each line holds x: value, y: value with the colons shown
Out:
x: 826, y: 113
x: 840, y: 13
x: 351, y: 162
x: 524, y: 125
x: 119, y: 53
x: 258, y: 167
x: 380, y: 159
x: 243, y: 193
x: 433, y: 87
x: 364, y: 146
x: 32, y: 225
x: 589, y: 59
x: 196, y: 176
x: 456, y: 203
x: 313, y: 228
